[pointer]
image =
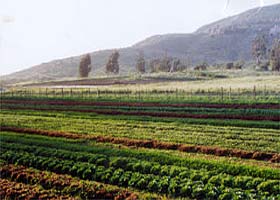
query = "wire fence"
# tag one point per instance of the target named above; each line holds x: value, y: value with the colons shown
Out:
x: 222, y: 94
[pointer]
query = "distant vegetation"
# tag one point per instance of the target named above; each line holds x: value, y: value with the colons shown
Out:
x: 266, y: 57
x: 259, y: 49
x: 166, y: 64
x: 202, y: 66
x: 141, y: 63
x: 84, y: 67
x: 112, y: 65
x: 275, y: 56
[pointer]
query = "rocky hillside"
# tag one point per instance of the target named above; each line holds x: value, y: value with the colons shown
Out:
x: 222, y: 41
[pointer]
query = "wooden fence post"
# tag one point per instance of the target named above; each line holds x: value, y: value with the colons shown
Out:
x: 254, y: 91
x: 222, y: 93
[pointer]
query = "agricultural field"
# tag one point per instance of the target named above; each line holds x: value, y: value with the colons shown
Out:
x: 134, y: 143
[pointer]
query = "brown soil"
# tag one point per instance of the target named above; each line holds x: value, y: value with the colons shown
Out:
x: 98, y: 82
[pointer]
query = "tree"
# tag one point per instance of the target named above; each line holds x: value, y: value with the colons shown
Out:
x: 229, y: 65
x: 239, y: 64
x: 160, y: 65
x: 275, y: 55
x: 112, y: 65
x: 202, y: 66
x: 166, y: 64
x: 175, y: 63
x: 154, y: 65
x: 84, y: 67
x: 259, y: 49
x: 141, y: 63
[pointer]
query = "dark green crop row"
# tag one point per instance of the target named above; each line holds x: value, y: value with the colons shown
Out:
x: 209, y: 111
x: 126, y: 163
x: 153, y: 97
x: 66, y: 185
x: 160, y: 184
x: 82, y: 150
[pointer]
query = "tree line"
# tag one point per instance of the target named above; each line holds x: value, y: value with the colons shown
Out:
x: 165, y: 64
x: 264, y: 57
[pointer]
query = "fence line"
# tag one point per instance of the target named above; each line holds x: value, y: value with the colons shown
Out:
x: 222, y: 93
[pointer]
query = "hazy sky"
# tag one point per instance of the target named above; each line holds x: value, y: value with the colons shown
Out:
x: 36, y: 31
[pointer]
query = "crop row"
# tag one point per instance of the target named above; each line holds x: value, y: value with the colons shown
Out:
x: 154, y: 114
x: 194, y: 187
x: 189, y: 121
x: 14, y: 190
x: 64, y: 184
x: 268, y: 101
x: 272, y: 157
x: 83, y: 152
x: 250, y: 139
x: 208, y: 111
x: 127, y: 164
x: 147, y: 107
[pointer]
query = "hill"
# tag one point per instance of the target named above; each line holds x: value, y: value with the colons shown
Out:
x: 222, y: 41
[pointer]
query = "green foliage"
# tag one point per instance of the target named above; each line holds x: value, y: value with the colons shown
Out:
x: 155, y: 171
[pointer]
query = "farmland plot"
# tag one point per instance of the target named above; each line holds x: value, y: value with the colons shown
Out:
x: 77, y: 148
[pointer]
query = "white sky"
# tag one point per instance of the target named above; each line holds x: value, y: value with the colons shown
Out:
x: 36, y: 31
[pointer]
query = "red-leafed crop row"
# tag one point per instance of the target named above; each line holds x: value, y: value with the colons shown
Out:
x: 146, y: 104
x: 14, y: 190
x: 272, y: 157
x: 158, y: 114
x: 64, y: 183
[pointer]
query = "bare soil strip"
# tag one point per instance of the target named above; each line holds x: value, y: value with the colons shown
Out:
x: 100, y: 82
